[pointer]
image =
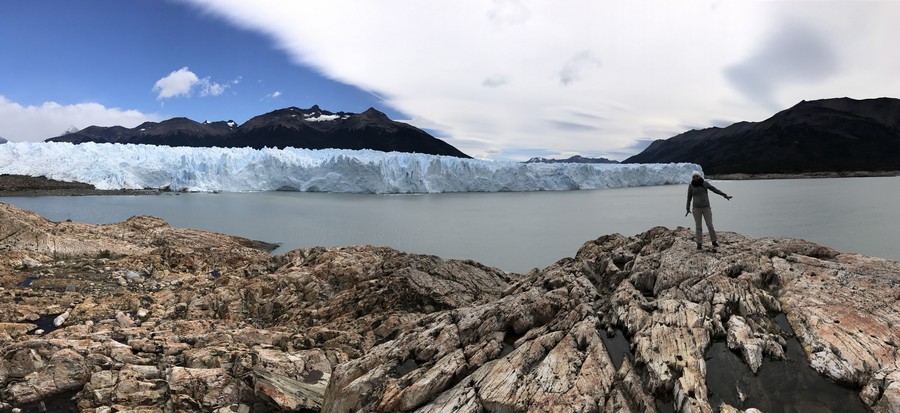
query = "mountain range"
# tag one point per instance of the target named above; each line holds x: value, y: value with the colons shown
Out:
x: 571, y: 159
x: 311, y: 128
x: 829, y: 135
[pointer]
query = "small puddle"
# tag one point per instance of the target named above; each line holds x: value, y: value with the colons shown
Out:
x: 779, y: 387
x: 509, y: 343
x: 617, y: 347
x: 45, y: 322
x: 664, y: 406
x: 405, y: 368
x: 313, y: 377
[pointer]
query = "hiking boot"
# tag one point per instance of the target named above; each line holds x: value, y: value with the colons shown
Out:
x: 715, y: 244
x: 699, y: 246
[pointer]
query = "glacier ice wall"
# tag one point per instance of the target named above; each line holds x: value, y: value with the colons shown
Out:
x: 116, y: 166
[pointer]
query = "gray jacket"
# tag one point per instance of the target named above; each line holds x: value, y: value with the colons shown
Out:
x: 700, y: 195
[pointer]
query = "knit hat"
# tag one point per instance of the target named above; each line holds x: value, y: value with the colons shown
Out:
x: 696, y: 173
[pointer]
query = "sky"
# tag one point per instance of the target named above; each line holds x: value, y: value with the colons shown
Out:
x: 498, y: 79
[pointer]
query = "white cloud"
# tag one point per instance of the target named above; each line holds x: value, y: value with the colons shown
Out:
x: 505, y: 75
x: 36, y: 123
x: 177, y: 83
x: 208, y: 88
x: 272, y: 95
x: 182, y: 82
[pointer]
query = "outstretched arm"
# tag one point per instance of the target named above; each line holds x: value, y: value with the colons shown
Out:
x: 712, y: 188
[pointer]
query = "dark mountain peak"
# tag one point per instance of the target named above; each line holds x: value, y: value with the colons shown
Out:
x: 289, y: 118
x: 221, y: 123
x: 881, y: 110
x: 374, y: 114
x: 179, y: 119
x: 826, y: 135
x: 180, y: 122
x: 312, y: 128
x: 372, y: 118
x: 146, y: 125
x: 571, y: 159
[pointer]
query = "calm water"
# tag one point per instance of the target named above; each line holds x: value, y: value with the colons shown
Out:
x: 515, y: 231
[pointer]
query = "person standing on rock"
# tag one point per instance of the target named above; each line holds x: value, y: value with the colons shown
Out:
x: 698, y: 191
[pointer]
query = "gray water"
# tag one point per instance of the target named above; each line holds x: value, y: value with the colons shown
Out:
x: 780, y: 386
x: 515, y: 231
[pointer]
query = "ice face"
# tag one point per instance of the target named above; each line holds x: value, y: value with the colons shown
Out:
x: 117, y: 166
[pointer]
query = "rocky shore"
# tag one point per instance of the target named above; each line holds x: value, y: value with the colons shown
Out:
x: 22, y: 185
x: 142, y: 317
x: 807, y: 175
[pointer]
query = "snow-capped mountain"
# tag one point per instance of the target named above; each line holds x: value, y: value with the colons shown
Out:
x: 311, y: 128
x: 118, y: 166
x: 571, y: 159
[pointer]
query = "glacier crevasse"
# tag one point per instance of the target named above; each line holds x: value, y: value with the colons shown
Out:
x: 118, y: 166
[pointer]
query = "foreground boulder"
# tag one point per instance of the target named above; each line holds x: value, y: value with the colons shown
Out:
x: 140, y: 316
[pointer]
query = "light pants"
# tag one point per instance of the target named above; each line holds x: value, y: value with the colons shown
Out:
x: 706, y: 214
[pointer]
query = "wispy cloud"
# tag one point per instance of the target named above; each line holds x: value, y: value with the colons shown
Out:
x: 577, y: 65
x: 50, y: 119
x: 495, y: 73
x: 183, y: 82
x: 796, y: 53
x: 495, y: 80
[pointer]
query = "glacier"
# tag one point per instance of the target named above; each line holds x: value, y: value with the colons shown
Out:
x: 119, y: 166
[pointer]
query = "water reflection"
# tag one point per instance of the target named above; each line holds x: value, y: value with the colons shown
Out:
x: 790, y: 386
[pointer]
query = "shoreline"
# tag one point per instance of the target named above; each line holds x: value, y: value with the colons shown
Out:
x: 24, y: 186
x: 28, y: 186
x: 803, y: 175
x: 110, y: 310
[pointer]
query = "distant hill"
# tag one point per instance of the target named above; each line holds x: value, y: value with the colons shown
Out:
x: 572, y: 159
x: 172, y: 132
x: 829, y: 135
x: 311, y: 128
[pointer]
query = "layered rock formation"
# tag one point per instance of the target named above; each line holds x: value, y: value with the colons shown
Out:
x: 140, y: 316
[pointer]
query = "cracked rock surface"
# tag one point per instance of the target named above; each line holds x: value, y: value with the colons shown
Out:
x: 140, y: 316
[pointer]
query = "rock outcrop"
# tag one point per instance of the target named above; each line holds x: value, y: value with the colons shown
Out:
x: 140, y: 316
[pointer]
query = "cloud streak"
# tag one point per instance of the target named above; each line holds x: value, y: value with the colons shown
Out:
x: 494, y: 74
x: 795, y: 53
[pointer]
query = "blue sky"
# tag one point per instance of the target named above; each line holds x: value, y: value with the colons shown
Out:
x: 114, y: 52
x: 499, y: 79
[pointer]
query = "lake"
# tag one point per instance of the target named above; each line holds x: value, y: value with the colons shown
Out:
x: 515, y: 231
